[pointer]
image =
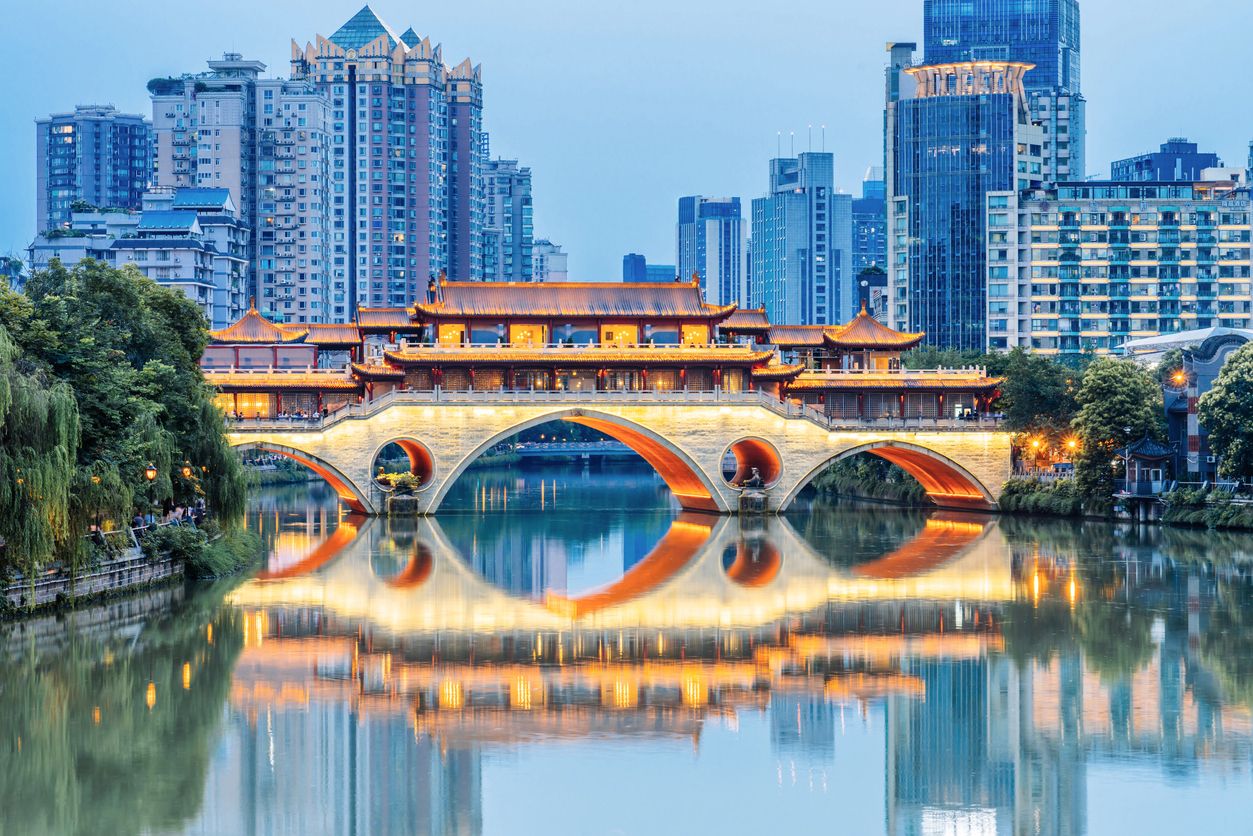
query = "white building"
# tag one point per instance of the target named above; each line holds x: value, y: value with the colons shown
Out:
x: 550, y: 262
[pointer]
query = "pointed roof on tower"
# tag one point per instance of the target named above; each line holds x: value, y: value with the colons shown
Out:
x: 867, y: 332
x: 411, y: 38
x: 254, y: 328
x: 364, y: 28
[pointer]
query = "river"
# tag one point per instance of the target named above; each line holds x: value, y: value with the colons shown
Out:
x: 565, y: 651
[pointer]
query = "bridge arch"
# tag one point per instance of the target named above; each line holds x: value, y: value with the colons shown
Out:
x: 689, y: 483
x: 348, y: 491
x: 421, y: 462
x: 947, y: 483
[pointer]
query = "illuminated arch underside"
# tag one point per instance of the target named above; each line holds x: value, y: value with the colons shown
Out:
x: 346, y: 490
x: 420, y: 463
x: 947, y: 486
x: 686, y: 486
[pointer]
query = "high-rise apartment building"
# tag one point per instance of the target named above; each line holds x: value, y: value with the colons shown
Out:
x: 265, y: 141
x: 635, y: 269
x: 711, y: 241
x: 407, y: 164
x: 954, y: 133
x: 1092, y: 265
x: 1043, y: 33
x: 802, y: 244
x: 94, y: 154
x: 1178, y: 160
x: 551, y: 264
x: 509, y: 223
x: 870, y: 223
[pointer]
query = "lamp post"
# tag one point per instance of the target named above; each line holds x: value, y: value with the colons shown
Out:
x: 150, y: 473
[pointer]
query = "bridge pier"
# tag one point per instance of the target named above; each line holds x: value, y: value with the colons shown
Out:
x: 962, y: 466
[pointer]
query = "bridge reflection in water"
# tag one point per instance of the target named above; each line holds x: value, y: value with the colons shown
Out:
x: 387, y: 633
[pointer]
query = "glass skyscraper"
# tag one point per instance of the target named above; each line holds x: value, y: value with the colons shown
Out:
x: 955, y: 132
x: 711, y: 240
x: 1040, y: 32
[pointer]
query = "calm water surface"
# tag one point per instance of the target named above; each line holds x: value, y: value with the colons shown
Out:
x: 563, y: 651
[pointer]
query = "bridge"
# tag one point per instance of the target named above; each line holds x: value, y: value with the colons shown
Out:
x: 577, y: 449
x: 685, y: 435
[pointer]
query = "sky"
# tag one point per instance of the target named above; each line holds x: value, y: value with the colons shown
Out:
x: 620, y: 109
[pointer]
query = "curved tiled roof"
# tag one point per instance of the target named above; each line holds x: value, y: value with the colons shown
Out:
x: 606, y: 356
x: 390, y: 319
x: 375, y: 372
x: 254, y: 328
x: 778, y: 371
x: 280, y: 381
x: 808, y: 336
x: 1147, y: 448
x: 747, y: 320
x: 813, y: 382
x: 575, y: 300
x: 867, y: 332
x: 328, y: 334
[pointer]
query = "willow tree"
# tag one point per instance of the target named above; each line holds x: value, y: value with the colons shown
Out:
x: 39, y: 433
x: 130, y: 350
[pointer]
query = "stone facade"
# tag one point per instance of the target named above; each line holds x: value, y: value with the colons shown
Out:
x: 686, y: 442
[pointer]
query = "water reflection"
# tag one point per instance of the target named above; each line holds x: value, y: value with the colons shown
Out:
x: 906, y: 672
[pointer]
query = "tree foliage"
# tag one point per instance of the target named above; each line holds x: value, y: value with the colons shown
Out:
x: 1226, y: 411
x: 1039, y: 396
x: 931, y: 357
x: 114, y: 366
x: 1118, y: 404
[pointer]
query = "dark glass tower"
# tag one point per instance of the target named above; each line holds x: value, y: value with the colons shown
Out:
x: 1040, y: 32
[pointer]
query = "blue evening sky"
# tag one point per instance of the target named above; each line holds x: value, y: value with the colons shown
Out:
x: 619, y: 109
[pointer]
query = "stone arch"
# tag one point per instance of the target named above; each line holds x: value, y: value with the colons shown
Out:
x: 421, y: 462
x: 689, y: 483
x: 349, y: 492
x: 947, y: 483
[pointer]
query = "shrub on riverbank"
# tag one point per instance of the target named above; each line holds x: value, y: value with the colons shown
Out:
x: 203, y: 555
x: 1027, y: 496
x: 1212, y: 509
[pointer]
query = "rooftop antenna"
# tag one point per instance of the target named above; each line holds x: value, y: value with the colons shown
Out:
x: 824, y: 138
x: 778, y: 144
x: 811, y: 139
x: 792, y: 147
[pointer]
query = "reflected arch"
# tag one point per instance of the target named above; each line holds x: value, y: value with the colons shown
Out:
x: 689, y: 483
x: 948, y: 484
x: 348, y: 491
x: 327, y: 551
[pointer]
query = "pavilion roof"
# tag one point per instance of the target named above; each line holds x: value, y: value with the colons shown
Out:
x: 581, y: 356
x: 747, y: 320
x: 799, y: 336
x: 1147, y: 448
x: 373, y: 372
x: 254, y: 328
x: 387, y: 319
x: 917, y: 382
x: 583, y: 300
x: 867, y: 332
x: 778, y: 371
x: 330, y: 334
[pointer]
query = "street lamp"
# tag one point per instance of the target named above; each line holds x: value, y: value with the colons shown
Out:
x: 150, y: 473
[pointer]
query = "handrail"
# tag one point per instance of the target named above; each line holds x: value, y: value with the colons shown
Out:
x: 567, y: 348
x: 787, y: 409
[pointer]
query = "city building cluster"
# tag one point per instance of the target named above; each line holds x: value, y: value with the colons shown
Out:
x: 365, y: 176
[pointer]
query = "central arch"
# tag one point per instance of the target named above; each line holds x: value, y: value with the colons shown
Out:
x: 349, y: 493
x: 947, y: 483
x: 690, y: 485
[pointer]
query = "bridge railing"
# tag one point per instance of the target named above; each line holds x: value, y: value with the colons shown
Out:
x: 790, y: 409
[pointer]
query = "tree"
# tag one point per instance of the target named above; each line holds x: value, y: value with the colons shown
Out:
x: 1226, y: 411
x: 1118, y: 404
x: 1169, y: 367
x: 129, y: 352
x: 1039, y: 397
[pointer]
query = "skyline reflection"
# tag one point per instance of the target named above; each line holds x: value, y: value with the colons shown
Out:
x: 909, y: 672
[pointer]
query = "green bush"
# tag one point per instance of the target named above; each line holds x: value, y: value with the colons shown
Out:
x: 1212, y: 509
x: 1027, y: 496
x: 204, y: 555
x: 870, y: 477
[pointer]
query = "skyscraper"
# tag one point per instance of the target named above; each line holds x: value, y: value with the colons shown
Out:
x: 711, y: 240
x: 869, y: 223
x: 636, y: 269
x: 508, y: 228
x: 551, y: 264
x: 1178, y: 160
x: 954, y: 133
x: 407, y: 179
x: 94, y: 154
x: 1044, y: 33
x: 801, y: 244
